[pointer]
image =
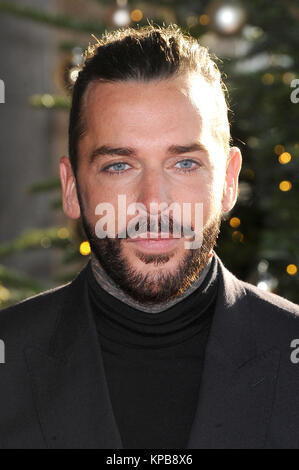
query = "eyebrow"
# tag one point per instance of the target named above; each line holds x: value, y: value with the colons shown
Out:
x: 130, y: 152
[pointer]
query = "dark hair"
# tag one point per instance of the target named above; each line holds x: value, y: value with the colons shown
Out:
x: 143, y: 54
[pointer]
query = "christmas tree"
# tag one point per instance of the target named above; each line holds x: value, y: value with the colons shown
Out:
x: 258, y: 44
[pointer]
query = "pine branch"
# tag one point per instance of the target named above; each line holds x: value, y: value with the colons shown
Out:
x: 34, y: 239
x: 50, y: 102
x: 293, y: 9
x: 43, y: 186
x: 11, y: 278
x: 56, y: 20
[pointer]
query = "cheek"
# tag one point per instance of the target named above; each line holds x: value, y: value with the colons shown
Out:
x: 92, y: 197
x: 200, y: 200
x: 210, y: 194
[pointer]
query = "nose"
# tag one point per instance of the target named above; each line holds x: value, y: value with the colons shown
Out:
x: 154, y: 192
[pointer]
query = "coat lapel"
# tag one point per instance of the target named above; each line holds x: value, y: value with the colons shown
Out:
x: 68, y: 381
x: 239, y: 378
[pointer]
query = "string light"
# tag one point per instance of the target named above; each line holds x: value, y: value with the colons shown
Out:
x: 285, y: 158
x: 204, y: 20
x: 63, y: 233
x: 268, y: 79
x: 285, y: 186
x: 46, y: 242
x: 292, y: 269
x: 47, y: 101
x: 267, y: 282
x: 85, y: 248
x: 136, y: 15
x: 235, y: 222
x: 288, y: 77
x: 228, y: 18
x: 73, y: 74
x: 238, y: 237
x: 122, y: 17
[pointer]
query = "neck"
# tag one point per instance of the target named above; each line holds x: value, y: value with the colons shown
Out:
x: 111, y: 287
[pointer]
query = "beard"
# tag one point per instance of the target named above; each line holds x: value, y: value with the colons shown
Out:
x: 158, y: 286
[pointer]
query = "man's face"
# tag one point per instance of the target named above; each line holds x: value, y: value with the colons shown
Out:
x: 149, y: 124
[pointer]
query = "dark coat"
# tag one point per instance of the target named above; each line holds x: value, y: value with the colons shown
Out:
x: 53, y: 392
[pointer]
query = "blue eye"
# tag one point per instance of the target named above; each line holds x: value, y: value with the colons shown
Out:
x: 116, y: 168
x: 187, y: 165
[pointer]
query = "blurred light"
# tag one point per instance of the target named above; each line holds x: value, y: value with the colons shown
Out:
x: 235, y: 222
x: 122, y: 3
x: 281, y: 60
x: 288, y: 77
x: 245, y: 191
x: 253, y: 142
x: 285, y: 158
x: 249, y: 174
x: 192, y: 20
x: 266, y: 281
x: 252, y: 33
x: 263, y: 266
x: 238, y: 237
x: 4, y: 294
x: 264, y: 285
x: 78, y: 56
x: 279, y: 149
x: 45, y: 242
x: 85, y: 249
x: 268, y: 79
x: 73, y: 74
x: 63, y: 233
x: 292, y: 269
x: 285, y: 186
x: 122, y: 17
x: 204, y: 20
x: 47, y: 101
x: 136, y: 15
x: 229, y: 18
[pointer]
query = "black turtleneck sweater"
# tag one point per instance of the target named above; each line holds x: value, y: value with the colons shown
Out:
x: 153, y: 363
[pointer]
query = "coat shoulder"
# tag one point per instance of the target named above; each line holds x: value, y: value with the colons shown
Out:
x: 270, y: 301
x: 32, y: 319
x: 269, y: 319
x: 275, y: 319
x: 264, y: 305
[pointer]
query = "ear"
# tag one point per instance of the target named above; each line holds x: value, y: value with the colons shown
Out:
x: 69, y: 192
x: 231, y: 186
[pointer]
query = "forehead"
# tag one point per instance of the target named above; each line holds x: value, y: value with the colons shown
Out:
x: 159, y: 110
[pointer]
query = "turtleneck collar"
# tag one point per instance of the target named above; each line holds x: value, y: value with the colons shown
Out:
x: 126, y: 325
x: 105, y: 281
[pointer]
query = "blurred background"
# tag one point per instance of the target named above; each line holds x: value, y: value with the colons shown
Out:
x: 41, y: 45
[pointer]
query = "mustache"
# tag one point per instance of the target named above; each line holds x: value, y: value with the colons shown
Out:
x: 166, y: 225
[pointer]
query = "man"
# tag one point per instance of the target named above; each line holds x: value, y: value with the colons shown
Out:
x: 155, y: 344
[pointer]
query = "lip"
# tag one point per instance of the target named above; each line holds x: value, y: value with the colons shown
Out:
x: 154, y: 237
x: 157, y: 244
